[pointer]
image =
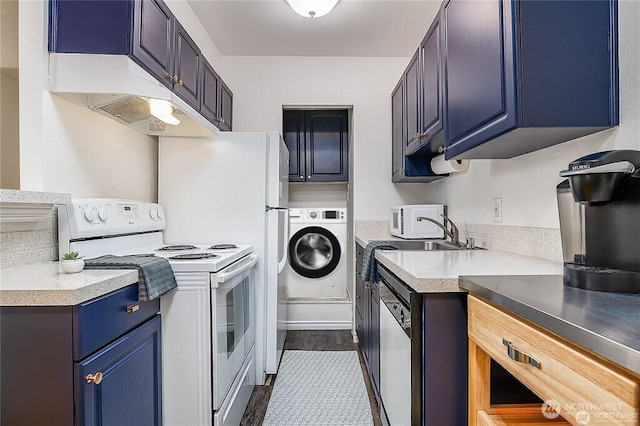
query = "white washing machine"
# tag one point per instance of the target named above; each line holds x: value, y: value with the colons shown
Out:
x: 317, y: 253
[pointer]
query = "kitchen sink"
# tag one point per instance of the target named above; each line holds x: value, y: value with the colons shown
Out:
x: 423, y: 245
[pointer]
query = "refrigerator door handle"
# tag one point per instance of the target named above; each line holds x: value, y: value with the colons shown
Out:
x: 285, y: 241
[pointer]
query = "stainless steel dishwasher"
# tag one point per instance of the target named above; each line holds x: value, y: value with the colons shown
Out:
x: 400, y: 351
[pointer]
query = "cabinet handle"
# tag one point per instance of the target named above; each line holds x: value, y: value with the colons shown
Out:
x: 442, y: 149
x: 179, y: 82
x: 132, y: 308
x: 367, y: 286
x: 173, y: 78
x: 222, y: 120
x: 516, y: 355
x: 308, y: 177
x: 94, y: 378
x: 302, y: 177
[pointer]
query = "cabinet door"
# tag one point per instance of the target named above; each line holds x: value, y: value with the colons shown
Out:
x: 479, y: 71
x: 374, y: 336
x: 412, y: 100
x: 187, y: 67
x: 226, y: 108
x: 130, y: 391
x: 397, y: 132
x: 431, y: 79
x: 293, y: 134
x: 209, y: 106
x: 153, y: 38
x: 366, y: 325
x: 327, y: 150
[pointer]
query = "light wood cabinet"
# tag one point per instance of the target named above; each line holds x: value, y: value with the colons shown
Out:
x: 554, y: 369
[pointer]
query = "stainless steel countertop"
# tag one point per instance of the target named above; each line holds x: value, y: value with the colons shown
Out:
x: 607, y: 324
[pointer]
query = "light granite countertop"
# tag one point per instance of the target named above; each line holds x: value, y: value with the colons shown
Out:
x: 33, y: 197
x: 439, y: 271
x: 42, y: 284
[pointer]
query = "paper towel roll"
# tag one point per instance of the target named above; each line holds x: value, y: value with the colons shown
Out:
x: 440, y: 166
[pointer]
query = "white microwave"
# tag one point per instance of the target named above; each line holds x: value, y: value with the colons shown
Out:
x: 404, y: 222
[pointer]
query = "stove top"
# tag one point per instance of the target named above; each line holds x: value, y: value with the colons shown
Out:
x: 193, y: 256
x: 177, y: 247
x: 223, y: 247
x: 200, y: 258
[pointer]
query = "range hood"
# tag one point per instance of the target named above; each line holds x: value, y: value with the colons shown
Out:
x: 116, y: 87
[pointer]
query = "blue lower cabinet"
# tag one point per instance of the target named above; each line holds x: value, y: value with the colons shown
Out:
x: 121, y: 384
x: 96, y: 363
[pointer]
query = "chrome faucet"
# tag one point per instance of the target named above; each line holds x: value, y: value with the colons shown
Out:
x: 454, y: 234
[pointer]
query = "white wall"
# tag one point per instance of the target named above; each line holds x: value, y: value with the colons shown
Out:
x: 9, y: 132
x: 527, y: 183
x: 262, y: 85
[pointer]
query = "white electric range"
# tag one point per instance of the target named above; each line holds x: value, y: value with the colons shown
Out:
x: 208, y: 329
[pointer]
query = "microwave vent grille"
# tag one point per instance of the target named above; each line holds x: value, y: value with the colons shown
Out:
x: 402, y: 221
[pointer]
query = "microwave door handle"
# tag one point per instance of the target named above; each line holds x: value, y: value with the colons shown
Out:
x: 285, y: 238
x: 225, y: 276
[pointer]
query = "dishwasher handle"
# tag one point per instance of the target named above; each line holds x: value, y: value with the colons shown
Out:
x: 400, y: 311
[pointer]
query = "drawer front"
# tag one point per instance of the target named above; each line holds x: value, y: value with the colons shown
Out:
x: 101, y: 320
x: 484, y: 419
x: 569, y: 376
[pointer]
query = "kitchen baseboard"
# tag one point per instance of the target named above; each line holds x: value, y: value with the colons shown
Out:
x: 319, y: 325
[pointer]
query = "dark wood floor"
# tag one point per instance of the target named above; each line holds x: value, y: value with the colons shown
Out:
x: 307, y: 340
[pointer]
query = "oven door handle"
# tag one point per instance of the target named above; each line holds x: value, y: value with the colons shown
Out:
x: 237, y: 269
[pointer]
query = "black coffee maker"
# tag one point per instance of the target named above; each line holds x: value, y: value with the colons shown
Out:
x: 599, y: 206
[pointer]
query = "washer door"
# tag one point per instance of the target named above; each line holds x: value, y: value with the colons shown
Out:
x: 314, y: 252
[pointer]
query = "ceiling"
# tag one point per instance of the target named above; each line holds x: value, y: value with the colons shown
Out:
x: 353, y: 28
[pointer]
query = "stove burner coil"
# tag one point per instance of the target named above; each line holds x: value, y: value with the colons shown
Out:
x: 177, y: 247
x: 223, y: 247
x: 193, y: 256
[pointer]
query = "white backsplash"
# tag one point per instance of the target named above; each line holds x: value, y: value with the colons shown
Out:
x: 542, y: 243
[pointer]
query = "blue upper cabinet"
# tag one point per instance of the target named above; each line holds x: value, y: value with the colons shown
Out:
x: 523, y: 75
x: 153, y: 37
x: 412, y: 86
x: 187, y: 67
x: 405, y: 108
x: 429, y: 99
x: 226, y: 108
x: 147, y: 31
x: 318, y: 143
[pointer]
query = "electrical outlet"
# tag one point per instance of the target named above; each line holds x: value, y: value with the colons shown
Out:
x: 497, y: 209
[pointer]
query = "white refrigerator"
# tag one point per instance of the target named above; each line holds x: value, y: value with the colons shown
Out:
x: 234, y: 188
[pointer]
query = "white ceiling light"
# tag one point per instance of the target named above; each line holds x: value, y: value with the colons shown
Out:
x: 312, y: 8
x: 163, y: 110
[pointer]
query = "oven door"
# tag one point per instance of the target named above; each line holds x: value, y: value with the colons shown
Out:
x: 232, y: 323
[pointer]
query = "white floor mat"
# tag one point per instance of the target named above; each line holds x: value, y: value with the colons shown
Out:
x: 319, y: 388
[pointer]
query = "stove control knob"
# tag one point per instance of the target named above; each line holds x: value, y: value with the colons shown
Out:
x: 160, y: 214
x: 154, y: 214
x: 90, y: 214
x: 103, y: 214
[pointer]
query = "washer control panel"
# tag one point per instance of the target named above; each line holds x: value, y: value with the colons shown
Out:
x: 326, y: 216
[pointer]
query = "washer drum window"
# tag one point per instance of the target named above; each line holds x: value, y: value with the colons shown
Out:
x: 314, y: 252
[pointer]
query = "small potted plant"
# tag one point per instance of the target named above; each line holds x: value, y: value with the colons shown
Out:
x: 71, y: 263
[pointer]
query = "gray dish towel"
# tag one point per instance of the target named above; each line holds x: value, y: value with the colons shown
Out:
x: 369, y: 266
x: 155, y: 276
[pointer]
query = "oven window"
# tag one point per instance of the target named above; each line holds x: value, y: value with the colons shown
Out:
x: 237, y: 315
